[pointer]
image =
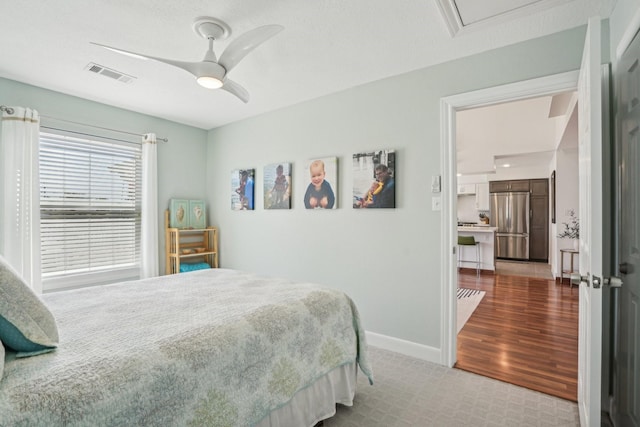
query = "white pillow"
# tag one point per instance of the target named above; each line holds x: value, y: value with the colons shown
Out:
x: 26, y: 324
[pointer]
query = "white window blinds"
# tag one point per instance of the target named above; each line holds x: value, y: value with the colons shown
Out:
x: 90, y: 210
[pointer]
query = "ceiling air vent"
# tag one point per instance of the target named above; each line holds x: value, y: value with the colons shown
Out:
x: 108, y: 72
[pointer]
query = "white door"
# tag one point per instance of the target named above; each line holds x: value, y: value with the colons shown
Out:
x: 590, y: 171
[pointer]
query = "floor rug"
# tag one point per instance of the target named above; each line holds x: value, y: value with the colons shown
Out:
x: 468, y: 300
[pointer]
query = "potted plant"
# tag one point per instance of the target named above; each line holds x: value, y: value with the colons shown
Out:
x: 571, y: 229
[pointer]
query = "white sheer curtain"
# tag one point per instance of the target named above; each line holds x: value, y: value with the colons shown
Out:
x: 149, y: 220
x: 19, y: 151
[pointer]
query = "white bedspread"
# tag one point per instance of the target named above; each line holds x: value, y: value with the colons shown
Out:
x: 212, y: 347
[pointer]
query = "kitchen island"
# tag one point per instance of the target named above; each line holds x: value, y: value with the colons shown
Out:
x: 486, y: 236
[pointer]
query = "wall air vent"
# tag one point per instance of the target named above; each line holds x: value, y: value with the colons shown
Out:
x: 108, y: 72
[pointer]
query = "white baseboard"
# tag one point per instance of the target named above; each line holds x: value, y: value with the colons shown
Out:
x: 408, y: 348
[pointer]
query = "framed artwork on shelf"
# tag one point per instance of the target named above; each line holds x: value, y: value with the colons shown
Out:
x: 374, y: 179
x: 197, y: 214
x: 242, y: 189
x: 322, y: 190
x: 277, y: 186
x: 179, y: 213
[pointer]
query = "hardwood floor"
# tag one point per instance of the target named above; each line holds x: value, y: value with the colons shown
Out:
x: 524, y: 332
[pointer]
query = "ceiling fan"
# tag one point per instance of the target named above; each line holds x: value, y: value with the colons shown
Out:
x: 212, y: 72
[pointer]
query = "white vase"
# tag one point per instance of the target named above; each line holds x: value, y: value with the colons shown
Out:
x: 576, y: 244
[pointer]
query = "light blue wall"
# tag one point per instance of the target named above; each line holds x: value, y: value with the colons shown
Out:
x: 388, y: 261
x: 181, y: 161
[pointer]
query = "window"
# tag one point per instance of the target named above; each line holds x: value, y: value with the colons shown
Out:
x: 89, y: 210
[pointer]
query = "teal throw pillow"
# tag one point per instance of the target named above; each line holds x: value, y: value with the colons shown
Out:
x: 1, y: 360
x: 26, y: 324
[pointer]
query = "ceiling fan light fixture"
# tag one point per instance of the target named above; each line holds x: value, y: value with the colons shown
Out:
x: 211, y: 73
x: 209, y: 82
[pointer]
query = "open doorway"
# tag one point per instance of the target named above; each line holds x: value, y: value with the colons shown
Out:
x: 517, y: 170
x: 489, y: 165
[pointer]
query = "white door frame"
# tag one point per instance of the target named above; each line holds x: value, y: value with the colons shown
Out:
x: 448, y: 107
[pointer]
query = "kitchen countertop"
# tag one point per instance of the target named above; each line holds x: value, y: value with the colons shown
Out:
x: 477, y: 228
x: 483, y: 234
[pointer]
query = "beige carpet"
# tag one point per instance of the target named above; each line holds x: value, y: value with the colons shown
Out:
x: 468, y: 300
x: 409, y: 392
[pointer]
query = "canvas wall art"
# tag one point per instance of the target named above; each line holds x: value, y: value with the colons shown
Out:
x: 197, y: 214
x: 185, y: 213
x: 322, y: 188
x: 374, y: 179
x: 179, y: 213
x: 242, y: 189
x: 277, y: 186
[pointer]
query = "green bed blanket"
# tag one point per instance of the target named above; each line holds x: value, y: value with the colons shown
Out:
x: 212, y: 347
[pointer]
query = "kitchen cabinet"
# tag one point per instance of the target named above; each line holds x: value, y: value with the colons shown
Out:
x: 513, y: 185
x: 539, y: 187
x: 482, y: 196
x: 539, y: 220
x: 466, y: 189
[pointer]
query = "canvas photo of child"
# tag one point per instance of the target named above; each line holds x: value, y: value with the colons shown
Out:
x: 242, y: 189
x: 322, y: 190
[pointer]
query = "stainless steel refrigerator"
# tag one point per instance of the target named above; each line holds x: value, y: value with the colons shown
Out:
x: 510, y: 214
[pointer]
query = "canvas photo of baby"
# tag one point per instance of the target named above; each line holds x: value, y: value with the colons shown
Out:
x: 322, y: 190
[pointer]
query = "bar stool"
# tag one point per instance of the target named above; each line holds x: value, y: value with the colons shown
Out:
x: 469, y: 241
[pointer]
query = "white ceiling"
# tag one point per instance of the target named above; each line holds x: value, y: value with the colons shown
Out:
x: 517, y: 134
x: 327, y: 46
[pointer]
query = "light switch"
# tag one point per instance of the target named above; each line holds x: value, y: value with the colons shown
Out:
x: 435, y: 204
x: 435, y: 184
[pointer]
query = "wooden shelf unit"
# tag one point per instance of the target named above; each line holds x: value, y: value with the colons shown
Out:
x: 178, y: 239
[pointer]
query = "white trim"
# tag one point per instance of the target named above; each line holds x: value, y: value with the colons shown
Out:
x: 408, y: 348
x: 452, y: 18
x: 448, y: 107
x: 628, y: 35
x: 448, y: 269
x: 92, y: 278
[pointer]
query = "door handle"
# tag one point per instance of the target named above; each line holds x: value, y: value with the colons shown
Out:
x: 613, y: 281
x: 576, y: 278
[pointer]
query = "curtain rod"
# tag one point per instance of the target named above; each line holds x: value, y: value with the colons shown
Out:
x: 100, y: 127
x: 137, y: 143
x: 10, y: 110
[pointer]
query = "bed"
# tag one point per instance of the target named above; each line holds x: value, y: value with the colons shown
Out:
x: 212, y: 347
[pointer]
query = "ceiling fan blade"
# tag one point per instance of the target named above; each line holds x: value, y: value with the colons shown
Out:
x: 191, y: 67
x: 122, y: 51
x: 240, y: 47
x: 235, y: 89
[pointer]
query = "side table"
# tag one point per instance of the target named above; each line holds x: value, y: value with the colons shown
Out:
x: 572, y: 253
